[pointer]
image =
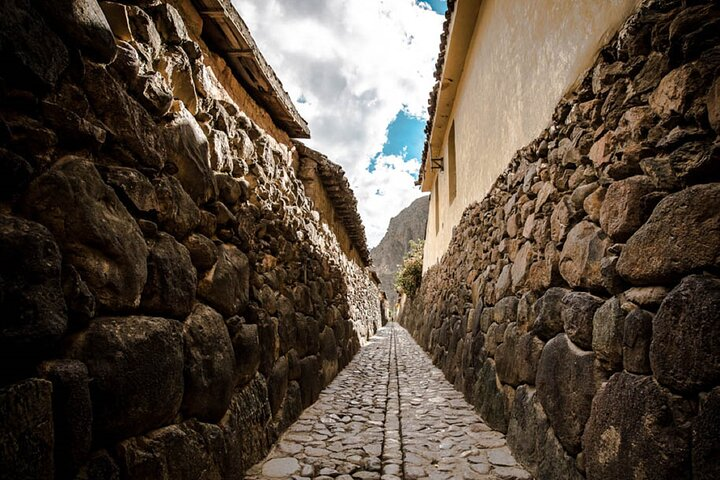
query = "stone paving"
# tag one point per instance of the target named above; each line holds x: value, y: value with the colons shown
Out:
x: 390, y: 415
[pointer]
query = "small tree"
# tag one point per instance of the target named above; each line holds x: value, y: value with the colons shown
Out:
x: 408, y: 278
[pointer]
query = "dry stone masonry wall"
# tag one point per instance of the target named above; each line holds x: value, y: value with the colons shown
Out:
x: 578, y: 305
x: 170, y: 300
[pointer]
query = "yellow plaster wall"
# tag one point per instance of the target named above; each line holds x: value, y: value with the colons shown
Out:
x: 524, y: 56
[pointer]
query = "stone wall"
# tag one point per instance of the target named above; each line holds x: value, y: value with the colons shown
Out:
x: 577, y: 306
x: 170, y: 302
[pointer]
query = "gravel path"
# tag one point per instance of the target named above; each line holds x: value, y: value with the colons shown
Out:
x: 390, y: 415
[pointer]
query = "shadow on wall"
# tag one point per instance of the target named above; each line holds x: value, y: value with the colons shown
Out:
x: 576, y: 306
x: 169, y: 304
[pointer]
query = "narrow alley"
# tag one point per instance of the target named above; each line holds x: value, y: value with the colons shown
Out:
x: 200, y: 255
x: 390, y: 414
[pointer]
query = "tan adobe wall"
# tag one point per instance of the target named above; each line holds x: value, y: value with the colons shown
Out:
x: 226, y: 77
x: 323, y: 204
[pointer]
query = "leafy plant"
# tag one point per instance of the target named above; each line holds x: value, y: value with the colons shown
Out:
x: 409, y: 276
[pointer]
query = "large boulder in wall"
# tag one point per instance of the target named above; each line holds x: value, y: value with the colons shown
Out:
x: 136, y: 364
x: 188, y: 149
x: 567, y: 380
x: 83, y: 24
x: 637, y: 429
x: 209, y: 365
x: 681, y: 236
x: 32, y: 308
x: 30, y: 49
x: 226, y: 286
x: 582, y: 254
x: 95, y: 232
x: 26, y: 430
x: 685, y: 347
x: 172, y: 280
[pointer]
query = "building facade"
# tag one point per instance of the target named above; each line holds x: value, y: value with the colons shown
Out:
x: 574, y: 305
x: 504, y: 65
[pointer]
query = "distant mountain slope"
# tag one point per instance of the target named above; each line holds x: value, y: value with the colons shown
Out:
x: 408, y: 225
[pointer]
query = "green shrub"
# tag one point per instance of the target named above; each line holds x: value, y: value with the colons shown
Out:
x: 409, y: 276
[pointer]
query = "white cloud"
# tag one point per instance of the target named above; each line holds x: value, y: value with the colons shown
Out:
x: 384, y: 192
x: 356, y: 64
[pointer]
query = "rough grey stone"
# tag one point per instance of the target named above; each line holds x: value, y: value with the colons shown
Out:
x: 83, y: 23
x: 135, y: 138
x: 505, y: 310
x: 636, y: 430
x: 577, y: 316
x: 143, y: 30
x: 278, y: 384
x: 607, y: 334
x: 80, y: 301
x: 636, y: 341
x: 170, y: 24
x: 153, y: 93
x: 188, y: 150
x: 328, y: 354
x: 246, y: 427
x: 310, y: 379
x: 187, y: 450
x: 172, y: 280
x: 533, y: 440
x: 72, y: 412
x: 624, y: 210
x: 567, y: 380
x: 226, y: 286
x: 32, y: 307
x: 95, y: 232
x: 488, y: 397
x: 682, y: 235
x: 26, y: 431
x: 209, y: 365
x: 685, y: 348
x: 246, y: 345
x: 133, y: 188
x: 650, y: 297
x: 100, y: 466
x: 203, y: 252
x: 516, y: 359
x: 548, y: 313
x: 136, y: 364
x: 581, y: 256
x: 705, y: 439
x: 34, y: 50
x: 178, y: 215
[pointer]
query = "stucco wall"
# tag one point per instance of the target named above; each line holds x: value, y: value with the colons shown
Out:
x: 523, y: 57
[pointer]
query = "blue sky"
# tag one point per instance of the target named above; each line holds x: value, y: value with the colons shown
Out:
x: 437, y: 5
x: 405, y: 138
x: 406, y: 133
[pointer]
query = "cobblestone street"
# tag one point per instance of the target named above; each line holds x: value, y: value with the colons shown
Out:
x: 390, y: 414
